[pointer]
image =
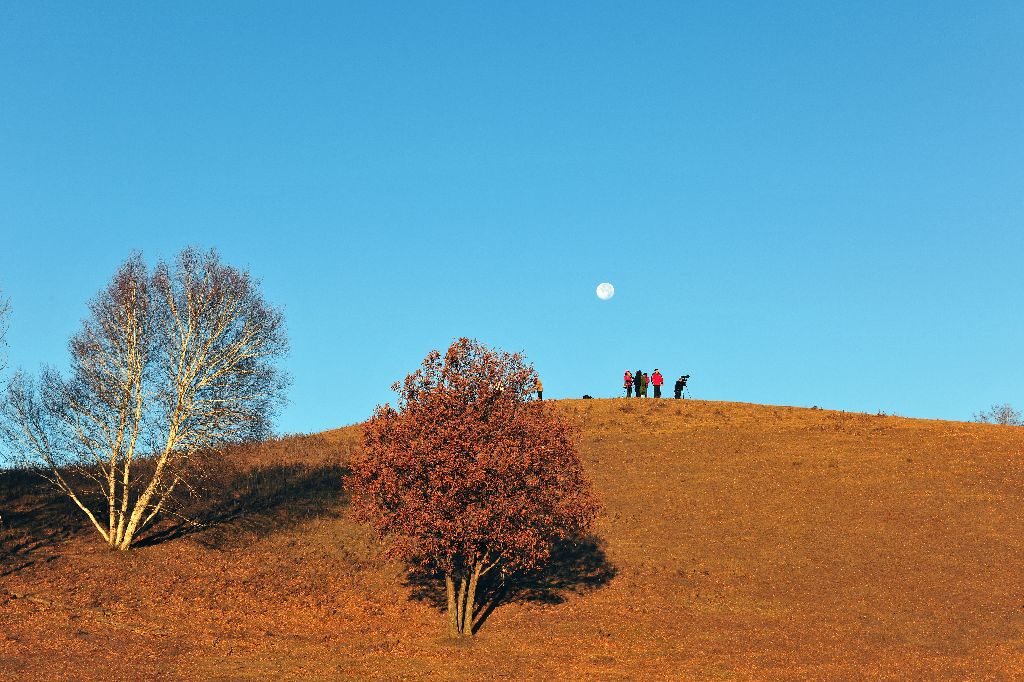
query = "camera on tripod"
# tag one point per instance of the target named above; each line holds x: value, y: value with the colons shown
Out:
x: 681, y: 385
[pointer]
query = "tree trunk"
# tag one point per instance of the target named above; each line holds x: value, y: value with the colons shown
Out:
x: 112, y: 501
x: 453, y: 615
x: 126, y: 534
x: 467, y: 618
x: 461, y: 599
x: 142, y: 503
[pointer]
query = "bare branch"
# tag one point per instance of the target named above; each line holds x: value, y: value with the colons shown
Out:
x: 5, y: 310
x: 176, y: 360
x: 1000, y: 414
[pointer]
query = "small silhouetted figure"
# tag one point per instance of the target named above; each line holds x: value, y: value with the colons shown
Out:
x: 638, y: 382
x: 645, y: 381
x: 539, y: 387
x: 680, y: 385
x: 657, y: 380
x: 627, y: 383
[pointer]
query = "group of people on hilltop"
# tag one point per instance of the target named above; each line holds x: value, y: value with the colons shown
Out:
x: 640, y: 381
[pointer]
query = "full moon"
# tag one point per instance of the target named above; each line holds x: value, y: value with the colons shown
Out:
x: 605, y: 291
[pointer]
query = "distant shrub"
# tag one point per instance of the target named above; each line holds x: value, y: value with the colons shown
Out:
x: 1000, y: 414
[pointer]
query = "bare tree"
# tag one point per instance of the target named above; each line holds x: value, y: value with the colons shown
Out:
x: 169, y: 364
x: 1000, y: 414
x: 5, y: 309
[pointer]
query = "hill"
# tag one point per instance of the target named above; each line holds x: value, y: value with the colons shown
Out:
x: 737, y: 542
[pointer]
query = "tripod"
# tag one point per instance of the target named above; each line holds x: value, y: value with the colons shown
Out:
x: 682, y: 386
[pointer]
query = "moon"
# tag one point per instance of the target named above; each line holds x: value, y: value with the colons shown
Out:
x: 605, y: 291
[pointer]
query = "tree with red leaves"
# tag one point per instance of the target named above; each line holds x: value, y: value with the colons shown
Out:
x: 470, y: 475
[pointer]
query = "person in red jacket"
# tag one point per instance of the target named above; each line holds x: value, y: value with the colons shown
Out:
x: 657, y: 380
x: 628, y: 383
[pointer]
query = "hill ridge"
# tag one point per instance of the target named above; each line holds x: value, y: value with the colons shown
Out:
x: 737, y: 540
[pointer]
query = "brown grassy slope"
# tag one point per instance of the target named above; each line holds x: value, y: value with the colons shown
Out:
x: 744, y: 541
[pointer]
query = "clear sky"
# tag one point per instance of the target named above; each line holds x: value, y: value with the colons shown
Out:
x: 799, y: 203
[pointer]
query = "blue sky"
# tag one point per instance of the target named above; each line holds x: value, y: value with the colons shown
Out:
x: 798, y: 203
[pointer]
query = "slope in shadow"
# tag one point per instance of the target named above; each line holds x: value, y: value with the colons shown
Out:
x: 577, y: 566
x: 36, y: 518
x: 234, y: 505
x: 240, y: 505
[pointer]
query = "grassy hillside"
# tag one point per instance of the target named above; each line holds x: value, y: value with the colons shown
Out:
x: 737, y: 542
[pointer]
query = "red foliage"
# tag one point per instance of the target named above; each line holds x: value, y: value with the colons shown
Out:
x: 469, y: 472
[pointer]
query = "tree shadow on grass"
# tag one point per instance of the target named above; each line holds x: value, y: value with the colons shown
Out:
x: 36, y: 518
x: 240, y: 505
x: 576, y: 567
x: 239, y: 494
x: 234, y: 506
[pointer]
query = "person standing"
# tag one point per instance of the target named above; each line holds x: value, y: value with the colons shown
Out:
x: 644, y: 383
x: 627, y: 383
x: 539, y: 387
x: 657, y: 380
x: 680, y: 384
x: 638, y: 380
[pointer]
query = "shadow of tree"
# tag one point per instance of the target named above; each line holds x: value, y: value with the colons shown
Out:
x: 35, y: 519
x: 576, y: 567
x: 239, y: 494
x: 240, y: 505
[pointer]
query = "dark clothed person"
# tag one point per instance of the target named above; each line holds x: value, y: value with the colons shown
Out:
x: 681, y: 385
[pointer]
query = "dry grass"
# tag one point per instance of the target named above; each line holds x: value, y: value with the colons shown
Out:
x: 737, y: 542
